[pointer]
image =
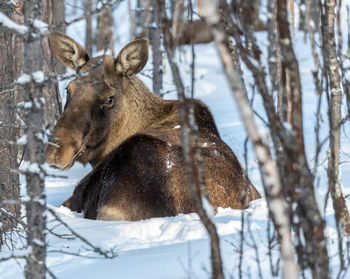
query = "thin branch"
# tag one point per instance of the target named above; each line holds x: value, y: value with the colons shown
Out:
x: 109, y: 254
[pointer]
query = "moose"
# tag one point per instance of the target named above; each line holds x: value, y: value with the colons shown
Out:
x: 132, y: 138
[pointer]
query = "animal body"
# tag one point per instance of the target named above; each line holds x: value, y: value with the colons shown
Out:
x: 132, y: 139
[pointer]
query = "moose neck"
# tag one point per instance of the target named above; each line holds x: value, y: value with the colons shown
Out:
x: 139, y: 110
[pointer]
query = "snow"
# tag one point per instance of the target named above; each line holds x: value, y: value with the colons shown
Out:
x: 38, y: 76
x: 169, y: 163
x: 31, y: 167
x: 208, y: 208
x: 8, y: 23
x: 178, y: 247
x: 104, y: 52
x: 23, y: 79
x: 41, y: 26
x: 22, y: 140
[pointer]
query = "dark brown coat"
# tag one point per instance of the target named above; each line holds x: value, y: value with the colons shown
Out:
x: 132, y: 138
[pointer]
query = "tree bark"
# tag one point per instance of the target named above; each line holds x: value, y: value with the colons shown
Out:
x: 52, y: 106
x: 131, y: 22
x: 59, y: 25
x: 336, y: 94
x: 142, y: 18
x: 299, y: 179
x: 9, y: 179
x: 88, y: 27
x: 105, y: 40
x: 157, y: 55
x: 36, y: 204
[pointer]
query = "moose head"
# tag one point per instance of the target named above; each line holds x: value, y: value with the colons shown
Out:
x: 97, y: 99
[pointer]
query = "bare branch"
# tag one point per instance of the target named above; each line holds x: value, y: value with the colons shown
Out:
x: 110, y: 254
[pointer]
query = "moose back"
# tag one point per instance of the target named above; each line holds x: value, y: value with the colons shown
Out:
x: 132, y: 139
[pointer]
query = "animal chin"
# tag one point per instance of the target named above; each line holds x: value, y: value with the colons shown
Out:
x: 76, y: 157
x: 80, y: 156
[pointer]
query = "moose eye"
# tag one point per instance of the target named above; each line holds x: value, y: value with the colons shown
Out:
x: 109, y: 102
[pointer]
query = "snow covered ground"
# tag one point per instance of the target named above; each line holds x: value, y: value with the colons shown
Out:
x: 178, y: 247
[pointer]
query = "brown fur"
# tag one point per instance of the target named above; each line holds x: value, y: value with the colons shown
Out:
x: 134, y: 143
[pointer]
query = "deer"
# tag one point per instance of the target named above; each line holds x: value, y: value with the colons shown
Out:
x: 132, y: 139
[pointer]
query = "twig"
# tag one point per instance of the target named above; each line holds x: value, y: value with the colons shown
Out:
x: 109, y: 254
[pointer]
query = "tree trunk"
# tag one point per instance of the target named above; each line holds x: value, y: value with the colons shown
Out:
x: 88, y: 28
x: 131, y: 22
x: 35, y: 149
x: 52, y: 106
x: 157, y: 55
x: 105, y: 40
x: 333, y: 70
x: 298, y: 178
x: 9, y: 180
x: 142, y: 18
x: 59, y: 25
x: 280, y: 76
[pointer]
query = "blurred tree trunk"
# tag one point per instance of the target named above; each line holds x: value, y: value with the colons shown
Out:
x: 104, y: 38
x: 9, y: 179
x: 88, y: 28
x: 157, y: 55
x: 52, y: 106
x: 142, y: 18
x: 280, y: 78
x: 35, y: 148
x: 59, y: 25
x: 131, y: 21
x: 18, y: 66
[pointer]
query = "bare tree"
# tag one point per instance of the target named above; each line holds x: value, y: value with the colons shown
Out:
x: 88, y: 5
x: 59, y: 25
x: 34, y: 92
x: 142, y: 18
x: 157, y: 54
x: 131, y: 22
x: 333, y: 74
x: 104, y: 34
x: 9, y: 180
x: 52, y: 105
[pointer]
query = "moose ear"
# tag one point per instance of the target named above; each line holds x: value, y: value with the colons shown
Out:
x: 132, y: 58
x: 68, y: 51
